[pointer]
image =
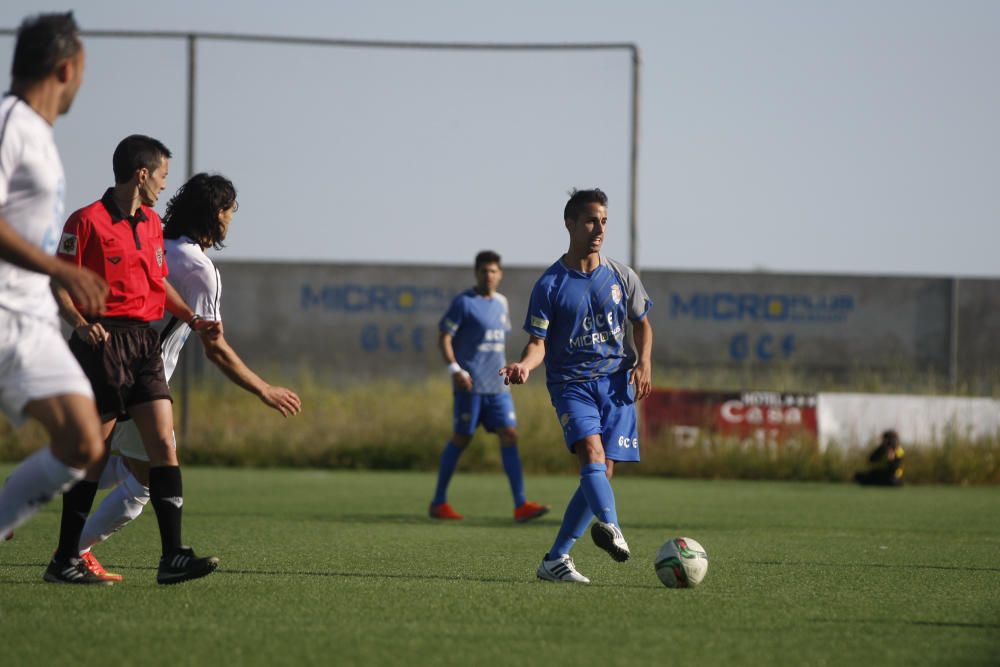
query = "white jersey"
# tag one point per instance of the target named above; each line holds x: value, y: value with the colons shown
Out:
x: 196, y: 279
x: 32, y: 190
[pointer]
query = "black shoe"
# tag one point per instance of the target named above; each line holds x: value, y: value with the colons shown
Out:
x: 72, y: 571
x: 182, y: 565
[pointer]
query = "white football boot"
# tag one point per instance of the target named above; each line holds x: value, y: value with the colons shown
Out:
x: 607, y: 536
x: 560, y: 569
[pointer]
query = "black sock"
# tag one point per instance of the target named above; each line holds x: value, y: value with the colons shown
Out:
x: 165, y: 492
x: 76, y: 506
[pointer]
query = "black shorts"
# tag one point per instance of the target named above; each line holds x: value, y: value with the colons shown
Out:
x: 124, y: 370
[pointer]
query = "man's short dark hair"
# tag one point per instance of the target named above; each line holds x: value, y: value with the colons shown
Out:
x: 193, y: 211
x: 44, y: 41
x: 580, y: 198
x: 890, y: 438
x: 487, y: 257
x: 135, y: 152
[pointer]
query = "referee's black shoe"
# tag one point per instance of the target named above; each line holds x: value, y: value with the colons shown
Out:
x: 182, y: 565
x: 72, y: 571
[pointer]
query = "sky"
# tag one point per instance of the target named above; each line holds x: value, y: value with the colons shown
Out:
x: 808, y: 137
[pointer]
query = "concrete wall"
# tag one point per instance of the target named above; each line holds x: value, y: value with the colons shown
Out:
x: 365, y: 321
x: 816, y: 322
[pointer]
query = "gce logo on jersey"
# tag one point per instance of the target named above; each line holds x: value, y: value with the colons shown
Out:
x: 626, y: 442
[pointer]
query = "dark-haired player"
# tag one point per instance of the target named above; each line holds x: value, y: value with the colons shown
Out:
x: 120, y: 237
x: 581, y: 313
x: 473, y: 344
x: 197, y: 218
x: 39, y: 378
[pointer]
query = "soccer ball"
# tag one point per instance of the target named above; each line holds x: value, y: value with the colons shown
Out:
x: 681, y: 563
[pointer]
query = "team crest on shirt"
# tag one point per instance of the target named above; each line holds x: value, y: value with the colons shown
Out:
x: 159, y: 257
x: 68, y: 244
x: 114, y: 260
x: 564, y: 418
x: 616, y: 293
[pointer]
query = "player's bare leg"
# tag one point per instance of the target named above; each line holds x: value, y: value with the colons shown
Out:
x: 72, y: 423
x: 74, y: 432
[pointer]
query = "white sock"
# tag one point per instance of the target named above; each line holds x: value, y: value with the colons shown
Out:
x: 115, y: 472
x: 118, y: 508
x: 38, y: 479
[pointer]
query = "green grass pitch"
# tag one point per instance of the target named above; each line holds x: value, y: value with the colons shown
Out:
x: 344, y: 568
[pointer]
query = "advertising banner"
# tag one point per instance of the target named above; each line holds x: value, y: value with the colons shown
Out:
x: 767, y: 417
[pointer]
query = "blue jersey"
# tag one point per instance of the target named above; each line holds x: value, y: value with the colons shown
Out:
x: 478, y: 326
x: 584, y: 317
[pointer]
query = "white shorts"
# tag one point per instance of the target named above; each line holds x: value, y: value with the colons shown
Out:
x: 35, y: 363
x: 125, y: 440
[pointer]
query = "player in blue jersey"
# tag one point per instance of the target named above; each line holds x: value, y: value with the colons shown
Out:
x: 473, y: 344
x: 587, y: 321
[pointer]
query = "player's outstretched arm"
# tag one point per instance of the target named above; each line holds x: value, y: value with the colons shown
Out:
x: 85, y: 287
x: 459, y: 376
x: 531, y: 358
x: 222, y: 355
x: 642, y: 375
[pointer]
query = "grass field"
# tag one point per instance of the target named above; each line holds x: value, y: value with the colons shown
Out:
x: 343, y: 568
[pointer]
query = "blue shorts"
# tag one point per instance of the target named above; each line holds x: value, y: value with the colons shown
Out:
x: 493, y: 411
x: 604, y: 407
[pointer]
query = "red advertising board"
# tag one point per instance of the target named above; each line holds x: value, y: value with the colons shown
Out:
x: 763, y: 416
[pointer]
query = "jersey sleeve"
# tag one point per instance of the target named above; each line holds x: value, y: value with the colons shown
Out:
x: 11, y: 150
x: 506, y: 311
x: 536, y: 322
x: 75, y: 235
x: 639, y: 302
x: 452, y: 319
x: 203, y: 292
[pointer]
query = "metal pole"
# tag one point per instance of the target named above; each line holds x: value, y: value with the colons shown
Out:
x: 192, y: 44
x: 953, y: 337
x: 633, y: 242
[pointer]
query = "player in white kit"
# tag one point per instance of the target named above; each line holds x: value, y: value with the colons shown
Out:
x: 197, y: 218
x: 39, y: 377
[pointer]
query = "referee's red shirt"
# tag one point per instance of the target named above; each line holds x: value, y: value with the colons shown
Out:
x: 126, y: 251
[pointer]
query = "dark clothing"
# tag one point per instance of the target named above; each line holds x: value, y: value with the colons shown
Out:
x: 878, y: 478
x: 886, y: 466
x: 126, y: 369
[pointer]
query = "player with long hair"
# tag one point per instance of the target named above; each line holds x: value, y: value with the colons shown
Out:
x: 197, y: 218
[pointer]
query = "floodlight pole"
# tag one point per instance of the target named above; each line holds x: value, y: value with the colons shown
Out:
x: 192, y: 72
x: 633, y: 171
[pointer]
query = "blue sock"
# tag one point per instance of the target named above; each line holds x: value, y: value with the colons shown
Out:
x: 597, y: 489
x: 575, y: 521
x: 512, y: 466
x: 449, y: 459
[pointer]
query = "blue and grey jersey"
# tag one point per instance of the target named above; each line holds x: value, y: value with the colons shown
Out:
x: 584, y: 319
x: 478, y: 326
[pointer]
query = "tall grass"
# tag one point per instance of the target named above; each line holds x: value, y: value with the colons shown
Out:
x: 397, y: 425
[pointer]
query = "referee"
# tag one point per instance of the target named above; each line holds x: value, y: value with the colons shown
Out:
x: 120, y: 238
